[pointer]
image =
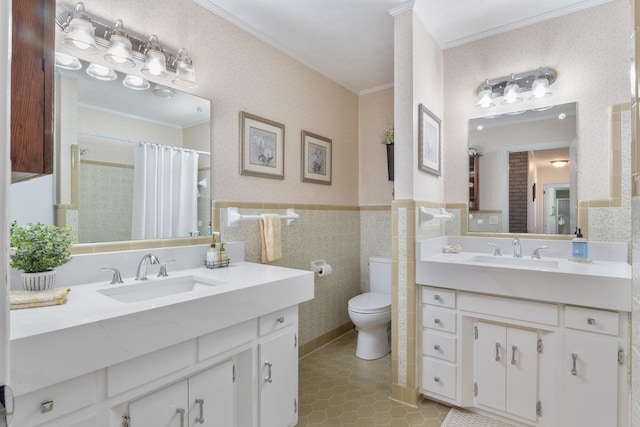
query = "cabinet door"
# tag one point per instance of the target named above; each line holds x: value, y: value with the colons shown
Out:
x: 164, y: 408
x: 590, y: 381
x: 490, y: 365
x: 278, y: 381
x: 212, y: 397
x: 522, y: 373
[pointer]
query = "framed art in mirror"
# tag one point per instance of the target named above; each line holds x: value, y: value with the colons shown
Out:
x: 261, y: 147
x: 316, y: 158
x: 429, y: 141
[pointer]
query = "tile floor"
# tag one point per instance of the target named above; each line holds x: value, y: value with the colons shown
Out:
x: 339, y: 390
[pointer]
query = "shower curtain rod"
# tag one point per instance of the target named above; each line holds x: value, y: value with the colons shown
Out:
x: 131, y: 141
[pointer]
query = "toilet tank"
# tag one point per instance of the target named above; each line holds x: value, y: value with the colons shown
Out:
x: 380, y: 275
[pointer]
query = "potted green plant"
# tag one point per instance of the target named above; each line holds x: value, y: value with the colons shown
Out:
x: 37, y: 250
x: 387, y: 138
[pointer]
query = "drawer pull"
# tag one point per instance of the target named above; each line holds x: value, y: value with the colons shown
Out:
x: 591, y: 321
x: 437, y: 297
x: 181, y: 411
x: 268, y: 377
x: 200, y: 418
x: 280, y: 319
x: 436, y: 346
x: 497, y: 352
x: 514, y: 348
x: 436, y: 379
x: 437, y: 321
x: 574, y: 371
x: 46, y: 406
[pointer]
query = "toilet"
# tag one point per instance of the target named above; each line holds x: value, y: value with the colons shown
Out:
x: 371, y: 312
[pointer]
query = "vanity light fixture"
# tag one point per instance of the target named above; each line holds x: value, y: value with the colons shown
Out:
x: 511, y: 88
x: 135, y: 82
x: 559, y: 163
x: 67, y: 62
x: 100, y: 72
x: 123, y: 49
x: 81, y: 34
x: 119, y: 52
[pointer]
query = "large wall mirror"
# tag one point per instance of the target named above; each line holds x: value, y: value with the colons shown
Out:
x: 523, y: 171
x: 129, y: 164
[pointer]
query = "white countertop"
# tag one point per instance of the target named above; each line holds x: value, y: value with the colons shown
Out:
x: 92, y: 331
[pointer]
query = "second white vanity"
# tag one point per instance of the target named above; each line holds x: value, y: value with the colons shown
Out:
x: 200, y: 347
x: 529, y: 342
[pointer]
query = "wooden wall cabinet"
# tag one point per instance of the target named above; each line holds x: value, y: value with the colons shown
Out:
x: 32, y: 88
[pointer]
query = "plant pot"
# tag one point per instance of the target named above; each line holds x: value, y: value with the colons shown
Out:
x: 42, y: 281
x: 390, y: 161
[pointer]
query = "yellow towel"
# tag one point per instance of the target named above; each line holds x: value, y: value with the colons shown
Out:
x: 31, y: 299
x: 270, y: 232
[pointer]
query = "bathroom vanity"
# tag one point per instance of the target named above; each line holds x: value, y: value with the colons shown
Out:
x: 529, y: 342
x: 200, y: 347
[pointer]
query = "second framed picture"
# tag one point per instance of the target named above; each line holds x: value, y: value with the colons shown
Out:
x: 316, y: 158
x: 428, y: 141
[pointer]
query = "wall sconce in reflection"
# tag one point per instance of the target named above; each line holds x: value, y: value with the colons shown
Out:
x: 80, y: 32
x: 119, y: 52
x: 559, y: 163
x: 510, y: 88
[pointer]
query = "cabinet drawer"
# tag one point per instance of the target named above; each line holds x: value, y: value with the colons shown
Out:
x: 439, y: 377
x: 440, y: 320
x: 439, y: 345
x: 528, y: 311
x: 277, y: 320
x: 589, y: 319
x: 439, y: 297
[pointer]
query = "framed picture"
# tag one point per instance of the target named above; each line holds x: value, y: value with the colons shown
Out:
x: 261, y: 147
x: 316, y: 158
x: 429, y: 141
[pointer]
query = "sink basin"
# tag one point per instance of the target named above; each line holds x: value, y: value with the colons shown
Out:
x: 152, y: 289
x: 516, y: 262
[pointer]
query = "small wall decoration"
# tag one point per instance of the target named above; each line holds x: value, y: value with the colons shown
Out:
x: 316, y: 158
x: 429, y: 141
x: 261, y: 147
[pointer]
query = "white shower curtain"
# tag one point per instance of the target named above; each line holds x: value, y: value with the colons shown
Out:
x: 165, y: 191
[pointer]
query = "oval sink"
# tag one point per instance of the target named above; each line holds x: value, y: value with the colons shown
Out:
x: 516, y: 262
x: 152, y: 289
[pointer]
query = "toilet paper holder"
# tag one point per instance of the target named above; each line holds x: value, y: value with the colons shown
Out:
x: 320, y: 267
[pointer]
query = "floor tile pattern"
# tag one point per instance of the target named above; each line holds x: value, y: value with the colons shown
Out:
x: 339, y: 390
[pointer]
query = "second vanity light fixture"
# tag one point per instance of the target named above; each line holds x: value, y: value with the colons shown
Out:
x: 510, y: 89
x: 123, y: 48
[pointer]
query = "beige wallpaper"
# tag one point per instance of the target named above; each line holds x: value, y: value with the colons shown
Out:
x: 588, y: 49
x: 237, y: 72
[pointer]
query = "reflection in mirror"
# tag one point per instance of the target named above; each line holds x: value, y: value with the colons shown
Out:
x: 130, y: 164
x: 513, y: 185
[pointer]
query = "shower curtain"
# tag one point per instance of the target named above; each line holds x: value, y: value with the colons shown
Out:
x: 165, y: 192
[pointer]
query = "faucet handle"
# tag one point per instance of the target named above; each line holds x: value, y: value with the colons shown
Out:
x: 163, y: 268
x: 496, y: 249
x: 117, y: 278
x: 536, y: 252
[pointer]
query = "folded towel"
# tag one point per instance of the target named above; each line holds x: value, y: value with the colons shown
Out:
x: 270, y: 232
x: 31, y: 299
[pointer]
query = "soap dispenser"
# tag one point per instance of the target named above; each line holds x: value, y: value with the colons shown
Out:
x: 579, y: 247
x: 224, y: 258
x: 213, y: 255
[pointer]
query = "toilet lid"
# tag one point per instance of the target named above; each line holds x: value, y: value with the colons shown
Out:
x: 370, y: 302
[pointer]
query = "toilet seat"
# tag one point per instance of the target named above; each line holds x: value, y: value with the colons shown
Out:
x: 370, y: 302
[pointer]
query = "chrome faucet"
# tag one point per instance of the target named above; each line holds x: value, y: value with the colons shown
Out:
x: 536, y: 252
x: 496, y: 249
x: 517, y: 248
x: 142, y: 266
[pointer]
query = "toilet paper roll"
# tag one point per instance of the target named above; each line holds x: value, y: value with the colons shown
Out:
x: 325, y: 270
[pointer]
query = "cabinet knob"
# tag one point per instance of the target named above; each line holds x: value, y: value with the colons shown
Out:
x: 181, y: 411
x: 436, y: 346
x: 437, y: 297
x: 591, y: 321
x: 280, y: 319
x: 497, y: 352
x: 268, y: 377
x: 574, y: 370
x: 200, y: 419
x: 436, y: 379
x: 46, y: 406
x: 437, y: 321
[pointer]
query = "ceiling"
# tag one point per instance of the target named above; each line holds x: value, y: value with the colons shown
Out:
x: 351, y: 41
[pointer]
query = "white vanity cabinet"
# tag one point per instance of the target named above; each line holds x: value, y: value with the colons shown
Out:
x: 594, y: 366
x: 526, y: 362
x: 278, y: 369
x: 506, y: 369
x: 206, y: 399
